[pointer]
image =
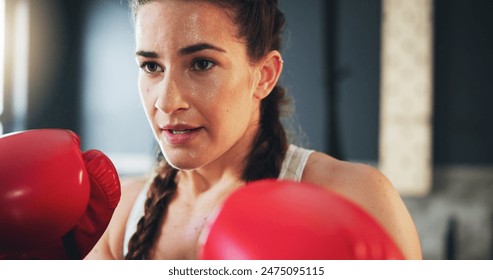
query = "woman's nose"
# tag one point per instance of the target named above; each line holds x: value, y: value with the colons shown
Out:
x: 170, y: 97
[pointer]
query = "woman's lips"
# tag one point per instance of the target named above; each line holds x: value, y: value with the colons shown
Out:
x: 179, y: 135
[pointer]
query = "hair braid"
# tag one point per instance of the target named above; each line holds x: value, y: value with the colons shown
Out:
x: 270, y: 145
x: 160, y: 193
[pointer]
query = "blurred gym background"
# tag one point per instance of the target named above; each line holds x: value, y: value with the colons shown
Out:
x: 69, y: 64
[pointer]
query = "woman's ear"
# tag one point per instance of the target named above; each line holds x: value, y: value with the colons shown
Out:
x: 270, y: 71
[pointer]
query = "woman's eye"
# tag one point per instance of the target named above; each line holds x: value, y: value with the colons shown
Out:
x: 202, y: 65
x: 151, y: 67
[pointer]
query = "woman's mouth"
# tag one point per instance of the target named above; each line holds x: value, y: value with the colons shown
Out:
x: 180, y: 135
x: 180, y: 131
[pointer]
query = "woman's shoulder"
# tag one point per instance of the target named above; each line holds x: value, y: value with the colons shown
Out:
x: 342, y: 176
x: 359, y: 182
x: 370, y: 189
x: 110, y: 246
x: 131, y: 187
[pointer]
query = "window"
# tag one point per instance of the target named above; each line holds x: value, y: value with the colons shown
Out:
x: 14, y: 46
x: 2, y: 61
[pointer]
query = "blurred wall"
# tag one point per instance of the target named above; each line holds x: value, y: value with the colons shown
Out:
x: 455, y: 219
x: 112, y: 118
x: 332, y: 54
x: 305, y: 71
x: 55, y: 59
x: 463, y: 82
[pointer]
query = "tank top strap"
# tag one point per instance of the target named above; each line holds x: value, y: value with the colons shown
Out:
x: 294, y: 163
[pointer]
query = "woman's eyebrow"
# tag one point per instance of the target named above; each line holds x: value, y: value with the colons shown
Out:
x: 198, y: 47
x: 183, y: 51
x: 147, y: 54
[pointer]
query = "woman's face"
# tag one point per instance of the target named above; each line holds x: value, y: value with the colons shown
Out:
x: 196, y: 82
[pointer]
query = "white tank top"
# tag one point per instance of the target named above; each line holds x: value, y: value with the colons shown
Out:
x: 292, y: 169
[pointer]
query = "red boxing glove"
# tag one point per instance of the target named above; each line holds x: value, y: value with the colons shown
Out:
x: 281, y: 220
x: 55, y: 201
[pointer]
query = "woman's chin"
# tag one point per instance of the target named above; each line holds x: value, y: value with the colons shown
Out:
x: 181, y: 158
x: 183, y: 165
x: 183, y: 162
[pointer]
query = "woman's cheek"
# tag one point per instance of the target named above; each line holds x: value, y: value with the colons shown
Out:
x: 147, y: 98
x: 206, y: 93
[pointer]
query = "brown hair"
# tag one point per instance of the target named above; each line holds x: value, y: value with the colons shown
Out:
x: 259, y: 24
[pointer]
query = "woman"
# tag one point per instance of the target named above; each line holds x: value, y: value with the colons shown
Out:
x: 208, y: 82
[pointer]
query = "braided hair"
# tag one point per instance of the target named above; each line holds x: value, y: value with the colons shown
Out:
x: 260, y: 23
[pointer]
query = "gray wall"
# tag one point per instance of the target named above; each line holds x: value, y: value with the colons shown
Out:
x: 463, y: 82
x: 355, y: 79
x: 332, y: 54
x: 305, y: 71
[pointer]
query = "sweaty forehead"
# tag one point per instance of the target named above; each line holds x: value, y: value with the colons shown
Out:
x: 181, y: 23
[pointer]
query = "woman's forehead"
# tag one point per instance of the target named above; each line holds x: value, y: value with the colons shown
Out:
x: 179, y: 23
